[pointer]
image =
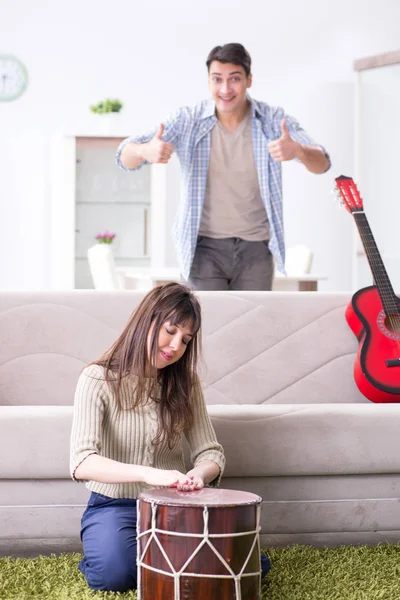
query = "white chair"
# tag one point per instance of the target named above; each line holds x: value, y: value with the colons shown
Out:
x: 103, y: 270
x: 298, y: 260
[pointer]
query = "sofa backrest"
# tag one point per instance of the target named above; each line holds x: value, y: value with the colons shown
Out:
x: 258, y: 347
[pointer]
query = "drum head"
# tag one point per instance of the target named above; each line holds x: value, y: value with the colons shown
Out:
x: 203, y: 497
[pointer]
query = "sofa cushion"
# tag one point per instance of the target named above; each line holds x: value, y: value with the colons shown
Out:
x: 267, y: 440
x: 302, y: 439
x: 34, y: 441
x: 259, y: 348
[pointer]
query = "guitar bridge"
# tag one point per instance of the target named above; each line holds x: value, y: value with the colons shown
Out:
x: 393, y: 362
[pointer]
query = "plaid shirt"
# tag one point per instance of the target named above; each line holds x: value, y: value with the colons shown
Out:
x: 189, y: 131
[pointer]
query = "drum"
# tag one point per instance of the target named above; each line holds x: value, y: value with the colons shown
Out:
x: 201, y: 545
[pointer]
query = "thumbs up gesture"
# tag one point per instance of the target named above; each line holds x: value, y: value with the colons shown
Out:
x: 157, y: 151
x: 284, y: 148
x: 160, y: 132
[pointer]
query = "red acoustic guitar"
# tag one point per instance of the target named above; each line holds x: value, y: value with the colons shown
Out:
x: 373, y: 314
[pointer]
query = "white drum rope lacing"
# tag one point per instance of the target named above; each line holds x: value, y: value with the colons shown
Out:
x: 206, y: 538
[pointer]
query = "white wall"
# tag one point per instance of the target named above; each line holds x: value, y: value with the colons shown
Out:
x: 151, y: 55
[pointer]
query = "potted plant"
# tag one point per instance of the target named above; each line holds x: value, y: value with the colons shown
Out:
x: 106, y: 106
x: 109, y: 110
x: 106, y: 237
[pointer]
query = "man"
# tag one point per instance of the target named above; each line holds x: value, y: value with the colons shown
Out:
x: 229, y: 227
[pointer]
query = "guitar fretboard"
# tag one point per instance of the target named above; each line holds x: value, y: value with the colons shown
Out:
x: 381, y: 278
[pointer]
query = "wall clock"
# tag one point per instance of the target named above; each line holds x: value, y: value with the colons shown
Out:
x: 13, y: 77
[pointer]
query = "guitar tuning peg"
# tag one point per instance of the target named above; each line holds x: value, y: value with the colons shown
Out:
x: 335, y: 195
x: 337, y: 198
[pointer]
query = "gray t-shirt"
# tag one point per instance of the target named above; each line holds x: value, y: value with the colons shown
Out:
x: 233, y: 206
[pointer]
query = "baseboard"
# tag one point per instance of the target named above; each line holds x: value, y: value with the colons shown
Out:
x: 329, y: 539
x: 32, y: 547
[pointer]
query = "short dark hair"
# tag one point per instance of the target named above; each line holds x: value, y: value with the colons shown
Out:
x: 231, y: 53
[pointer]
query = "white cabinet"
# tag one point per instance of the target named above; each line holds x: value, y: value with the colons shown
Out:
x: 90, y: 194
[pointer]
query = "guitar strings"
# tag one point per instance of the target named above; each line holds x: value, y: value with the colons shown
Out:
x: 388, y: 298
x: 381, y: 278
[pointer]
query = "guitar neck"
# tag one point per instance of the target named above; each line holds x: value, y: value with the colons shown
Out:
x: 381, y: 278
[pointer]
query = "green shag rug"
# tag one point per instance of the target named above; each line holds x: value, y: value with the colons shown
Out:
x: 298, y: 573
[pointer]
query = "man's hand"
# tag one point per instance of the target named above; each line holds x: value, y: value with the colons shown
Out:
x: 157, y: 151
x: 285, y: 148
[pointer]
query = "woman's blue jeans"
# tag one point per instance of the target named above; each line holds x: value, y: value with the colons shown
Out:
x: 109, y: 544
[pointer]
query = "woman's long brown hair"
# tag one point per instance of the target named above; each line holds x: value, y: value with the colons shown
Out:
x: 173, y: 386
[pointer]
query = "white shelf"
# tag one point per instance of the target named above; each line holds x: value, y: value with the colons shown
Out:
x: 75, y: 222
x: 113, y: 202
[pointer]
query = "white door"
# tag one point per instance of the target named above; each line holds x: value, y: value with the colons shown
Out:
x: 378, y: 167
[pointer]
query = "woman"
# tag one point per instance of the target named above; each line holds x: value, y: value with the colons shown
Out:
x: 132, y: 408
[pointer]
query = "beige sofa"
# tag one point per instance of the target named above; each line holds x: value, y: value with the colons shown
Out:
x: 279, y: 386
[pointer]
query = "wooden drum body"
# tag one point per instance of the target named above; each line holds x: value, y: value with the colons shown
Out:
x: 201, y: 545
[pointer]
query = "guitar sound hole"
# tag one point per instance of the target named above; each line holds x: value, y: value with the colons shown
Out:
x: 392, y: 323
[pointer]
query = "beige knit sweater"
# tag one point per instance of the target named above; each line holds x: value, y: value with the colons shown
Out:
x: 126, y: 435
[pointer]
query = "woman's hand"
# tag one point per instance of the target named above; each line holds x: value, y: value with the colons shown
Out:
x: 195, y: 483
x: 163, y: 477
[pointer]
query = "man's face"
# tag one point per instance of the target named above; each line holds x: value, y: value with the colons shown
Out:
x: 228, y: 85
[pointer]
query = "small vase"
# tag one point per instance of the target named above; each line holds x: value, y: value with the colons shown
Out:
x: 109, y: 122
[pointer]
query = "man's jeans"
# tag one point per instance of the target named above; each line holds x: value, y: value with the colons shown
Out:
x: 231, y: 264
